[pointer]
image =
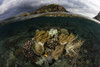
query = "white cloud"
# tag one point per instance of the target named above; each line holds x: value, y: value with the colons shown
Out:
x: 85, y: 7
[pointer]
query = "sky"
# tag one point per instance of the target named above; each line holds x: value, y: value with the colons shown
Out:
x: 88, y: 8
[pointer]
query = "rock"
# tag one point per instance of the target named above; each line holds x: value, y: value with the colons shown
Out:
x: 45, y: 9
x: 50, y: 8
x: 97, y: 17
x: 24, y: 14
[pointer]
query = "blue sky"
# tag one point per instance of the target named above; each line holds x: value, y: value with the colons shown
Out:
x: 9, y: 8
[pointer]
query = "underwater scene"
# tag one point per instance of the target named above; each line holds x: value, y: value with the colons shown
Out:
x: 50, y: 40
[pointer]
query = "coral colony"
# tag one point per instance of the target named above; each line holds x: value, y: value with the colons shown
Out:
x: 49, y: 45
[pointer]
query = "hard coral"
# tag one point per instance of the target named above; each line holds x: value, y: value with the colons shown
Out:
x: 72, y: 37
x: 63, y: 39
x: 52, y: 43
x: 53, y: 32
x: 39, y: 49
x: 41, y: 36
x: 57, y: 52
x: 27, y: 49
x: 72, y: 48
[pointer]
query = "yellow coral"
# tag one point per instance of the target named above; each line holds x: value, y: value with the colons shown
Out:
x: 39, y: 49
x: 41, y: 36
x: 57, y: 52
x: 71, y: 37
x: 63, y: 39
x: 46, y: 55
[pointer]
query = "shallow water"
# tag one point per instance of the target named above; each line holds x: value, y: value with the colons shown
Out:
x: 13, y: 35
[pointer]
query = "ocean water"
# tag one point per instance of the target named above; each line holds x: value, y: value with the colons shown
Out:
x: 13, y: 35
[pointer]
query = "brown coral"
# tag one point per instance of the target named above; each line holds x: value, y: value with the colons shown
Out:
x: 52, y: 43
x: 41, y: 36
x: 27, y: 48
x: 72, y: 48
x: 63, y: 39
x: 71, y: 37
x: 57, y: 52
x: 39, y: 49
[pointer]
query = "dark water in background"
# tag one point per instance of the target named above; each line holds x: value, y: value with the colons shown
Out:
x: 13, y: 35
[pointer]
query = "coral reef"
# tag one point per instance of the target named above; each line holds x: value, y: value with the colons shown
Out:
x: 50, y: 44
